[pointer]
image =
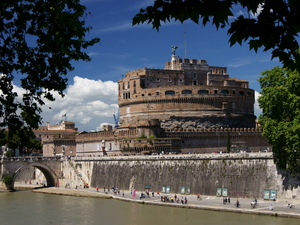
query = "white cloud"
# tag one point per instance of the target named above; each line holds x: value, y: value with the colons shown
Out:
x: 87, y: 102
x: 243, y: 61
x: 257, y: 110
x: 258, y: 11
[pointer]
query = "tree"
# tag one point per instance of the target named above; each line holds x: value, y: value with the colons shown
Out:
x: 20, y: 139
x: 7, y: 180
x: 38, y: 41
x: 280, y: 118
x: 270, y: 24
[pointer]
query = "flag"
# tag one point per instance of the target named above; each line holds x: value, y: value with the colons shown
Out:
x: 65, y: 115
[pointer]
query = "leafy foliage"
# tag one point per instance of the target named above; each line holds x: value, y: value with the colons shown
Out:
x: 270, y: 24
x: 7, y: 180
x: 38, y: 41
x: 9, y: 154
x: 280, y: 101
x: 20, y: 139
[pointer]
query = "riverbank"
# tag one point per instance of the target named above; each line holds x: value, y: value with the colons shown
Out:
x: 211, y: 203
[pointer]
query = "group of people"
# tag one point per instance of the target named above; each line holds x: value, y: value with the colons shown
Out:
x: 174, y: 199
x: 254, y: 203
x: 226, y: 200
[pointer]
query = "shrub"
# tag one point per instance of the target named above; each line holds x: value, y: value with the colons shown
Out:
x: 7, y: 180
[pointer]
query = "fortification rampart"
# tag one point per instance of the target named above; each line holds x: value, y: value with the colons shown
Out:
x: 244, y: 175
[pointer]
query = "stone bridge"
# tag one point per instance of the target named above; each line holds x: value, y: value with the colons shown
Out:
x: 51, y: 167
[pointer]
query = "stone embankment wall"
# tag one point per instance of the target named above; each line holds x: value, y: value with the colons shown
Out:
x: 245, y: 175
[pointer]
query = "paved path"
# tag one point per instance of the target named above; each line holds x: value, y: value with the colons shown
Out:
x: 207, y: 202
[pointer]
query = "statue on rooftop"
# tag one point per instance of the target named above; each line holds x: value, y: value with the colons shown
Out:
x: 174, y: 49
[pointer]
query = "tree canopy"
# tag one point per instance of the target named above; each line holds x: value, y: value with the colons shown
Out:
x: 38, y: 41
x: 280, y: 118
x: 270, y: 24
x: 22, y: 139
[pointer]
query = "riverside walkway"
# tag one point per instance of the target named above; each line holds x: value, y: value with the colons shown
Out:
x: 212, y: 203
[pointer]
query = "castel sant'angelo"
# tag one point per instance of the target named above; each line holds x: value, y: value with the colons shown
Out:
x: 189, y: 106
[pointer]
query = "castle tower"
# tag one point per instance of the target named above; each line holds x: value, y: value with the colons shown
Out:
x: 186, y: 90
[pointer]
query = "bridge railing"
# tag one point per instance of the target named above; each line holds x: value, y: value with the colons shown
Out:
x: 31, y: 158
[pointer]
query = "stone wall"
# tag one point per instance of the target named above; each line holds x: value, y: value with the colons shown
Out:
x: 245, y: 175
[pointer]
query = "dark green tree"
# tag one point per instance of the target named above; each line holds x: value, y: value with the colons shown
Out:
x: 274, y: 27
x: 20, y: 139
x: 280, y: 118
x: 38, y: 41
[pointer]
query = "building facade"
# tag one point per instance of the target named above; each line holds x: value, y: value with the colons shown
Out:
x: 189, y: 106
x: 186, y: 90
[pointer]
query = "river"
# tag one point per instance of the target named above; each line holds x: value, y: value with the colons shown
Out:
x: 25, y: 207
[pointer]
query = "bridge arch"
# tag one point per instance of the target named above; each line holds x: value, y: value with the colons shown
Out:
x: 49, y: 174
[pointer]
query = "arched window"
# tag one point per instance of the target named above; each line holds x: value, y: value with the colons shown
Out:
x: 241, y: 93
x: 186, y: 92
x: 170, y: 93
x: 224, y: 92
x: 203, y: 92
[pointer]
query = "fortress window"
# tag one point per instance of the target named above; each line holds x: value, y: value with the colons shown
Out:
x: 195, y: 76
x: 186, y: 92
x: 157, y: 93
x: 241, y: 93
x: 158, y: 80
x: 203, y: 92
x: 170, y: 93
x: 133, y: 83
x: 233, y: 92
x: 181, y: 81
x: 216, y: 91
x: 195, y: 82
x: 222, y: 72
x: 170, y: 80
x: 224, y: 92
x: 128, y: 85
x: 149, y: 94
x: 142, y: 94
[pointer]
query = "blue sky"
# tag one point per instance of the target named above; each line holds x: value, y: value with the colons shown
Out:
x: 91, y: 97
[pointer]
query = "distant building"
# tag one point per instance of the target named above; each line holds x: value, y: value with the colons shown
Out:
x: 58, y: 139
x: 189, y: 106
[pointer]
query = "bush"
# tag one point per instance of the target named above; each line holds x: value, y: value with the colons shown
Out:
x: 152, y: 136
x: 7, y: 180
x: 9, y: 153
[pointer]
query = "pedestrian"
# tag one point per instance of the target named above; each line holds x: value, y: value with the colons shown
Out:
x: 228, y: 200
x: 152, y: 193
x: 185, y: 200
x: 97, y: 189
x: 123, y: 193
x: 182, y: 201
x: 271, y: 207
